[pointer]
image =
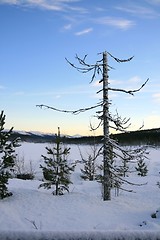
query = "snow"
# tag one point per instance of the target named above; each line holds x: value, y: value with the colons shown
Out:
x: 109, y: 235
x: 37, y: 133
x: 81, y: 212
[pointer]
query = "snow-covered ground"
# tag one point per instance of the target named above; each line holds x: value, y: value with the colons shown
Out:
x: 34, y: 209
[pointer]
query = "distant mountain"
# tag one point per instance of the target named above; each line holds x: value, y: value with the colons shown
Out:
x: 33, y: 136
x: 149, y: 137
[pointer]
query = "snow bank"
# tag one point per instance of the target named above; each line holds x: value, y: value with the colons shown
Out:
x: 109, y: 235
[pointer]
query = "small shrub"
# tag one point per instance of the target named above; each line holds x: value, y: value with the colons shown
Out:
x: 25, y: 176
x: 22, y: 171
x: 142, y: 168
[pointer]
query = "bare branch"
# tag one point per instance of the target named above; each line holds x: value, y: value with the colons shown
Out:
x: 129, y: 91
x: 95, y: 128
x: 69, y: 111
x: 141, y: 126
x: 134, y: 154
x: 126, y: 181
x: 120, y: 60
x: 81, y: 69
x: 99, y: 91
x: 96, y: 67
x: 120, y: 124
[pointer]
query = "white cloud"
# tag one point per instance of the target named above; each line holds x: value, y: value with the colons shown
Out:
x: 78, y: 9
x: 140, y: 11
x: 99, y: 9
x: 153, y: 1
x: 44, y: 4
x: 9, y: 1
x: 133, y: 83
x: 85, y: 31
x: 135, y: 79
x: 120, y: 23
x: 54, y: 5
x: 67, y: 27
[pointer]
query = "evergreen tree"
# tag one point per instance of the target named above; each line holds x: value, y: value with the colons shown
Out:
x: 57, y: 171
x: 141, y: 168
x: 123, y: 169
x: 89, y: 170
x: 7, y: 156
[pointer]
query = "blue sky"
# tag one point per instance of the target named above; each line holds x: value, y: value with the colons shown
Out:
x: 37, y: 35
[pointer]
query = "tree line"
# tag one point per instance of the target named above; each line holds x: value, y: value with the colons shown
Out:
x: 139, y: 137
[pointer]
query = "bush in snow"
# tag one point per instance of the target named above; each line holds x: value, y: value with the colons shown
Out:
x: 57, y: 170
x: 7, y: 156
x: 22, y: 171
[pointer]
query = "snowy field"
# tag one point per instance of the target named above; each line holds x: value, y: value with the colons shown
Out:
x: 81, y: 210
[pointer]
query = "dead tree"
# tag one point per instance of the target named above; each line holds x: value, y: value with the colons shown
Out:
x: 106, y: 145
x: 107, y: 120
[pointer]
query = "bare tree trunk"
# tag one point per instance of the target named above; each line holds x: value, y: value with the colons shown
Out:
x: 57, y: 159
x: 106, y: 147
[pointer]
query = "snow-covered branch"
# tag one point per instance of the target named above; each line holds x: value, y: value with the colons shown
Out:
x: 69, y: 111
x: 129, y: 91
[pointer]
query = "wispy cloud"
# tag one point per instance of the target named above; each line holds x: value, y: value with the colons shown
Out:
x: 153, y: 2
x: 99, y: 9
x: 140, y: 11
x: 132, y: 83
x: 58, y: 93
x: 120, y: 23
x: 9, y: 1
x: 135, y: 79
x: 67, y: 26
x: 77, y: 9
x: 45, y: 4
x: 53, y: 5
x: 85, y: 31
